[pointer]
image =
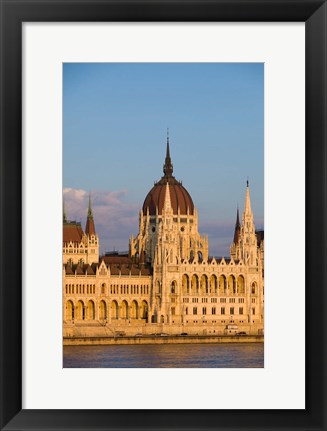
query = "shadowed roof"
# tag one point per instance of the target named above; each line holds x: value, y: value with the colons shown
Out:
x: 179, y: 198
x: 72, y: 232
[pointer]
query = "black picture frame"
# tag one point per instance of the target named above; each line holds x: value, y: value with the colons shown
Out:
x: 13, y: 14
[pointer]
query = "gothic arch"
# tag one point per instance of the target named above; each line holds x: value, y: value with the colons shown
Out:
x: 134, y: 310
x: 124, y: 310
x: 144, y: 310
x: 254, y: 289
x: 186, y: 284
x: 90, y: 310
x: 114, y: 310
x: 204, y: 285
x: 240, y: 285
x: 173, y: 287
x: 80, y: 310
x: 231, y: 285
x: 222, y: 285
x: 213, y: 284
x: 102, y: 310
x: 70, y: 310
x: 195, y: 285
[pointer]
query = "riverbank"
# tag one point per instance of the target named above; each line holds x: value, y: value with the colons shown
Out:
x: 161, y: 339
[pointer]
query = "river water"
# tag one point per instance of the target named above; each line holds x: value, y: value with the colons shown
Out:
x: 225, y: 355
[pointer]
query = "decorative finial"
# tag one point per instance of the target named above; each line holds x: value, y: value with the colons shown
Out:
x: 168, y: 166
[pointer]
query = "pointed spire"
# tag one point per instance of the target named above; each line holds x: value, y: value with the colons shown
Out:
x: 89, y: 212
x: 168, y: 167
x: 237, y: 230
x: 64, y: 211
x: 247, y: 207
x: 90, y: 228
x: 237, y: 224
x: 167, y: 204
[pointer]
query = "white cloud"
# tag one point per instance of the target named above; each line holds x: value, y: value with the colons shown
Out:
x: 115, y: 216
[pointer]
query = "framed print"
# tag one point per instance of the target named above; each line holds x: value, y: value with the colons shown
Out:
x: 72, y: 68
x: 174, y: 286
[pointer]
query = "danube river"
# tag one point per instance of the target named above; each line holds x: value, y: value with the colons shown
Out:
x: 229, y: 355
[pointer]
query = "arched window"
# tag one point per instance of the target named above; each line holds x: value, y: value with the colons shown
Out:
x: 213, y: 284
x: 253, y: 288
x: 124, y: 310
x: 186, y: 284
x: 134, y: 310
x: 102, y: 310
x: 70, y: 310
x: 231, y: 284
x: 144, y: 310
x: 222, y: 285
x: 91, y: 310
x: 240, y: 285
x: 204, y: 285
x: 114, y: 310
x: 80, y: 311
x: 195, y: 285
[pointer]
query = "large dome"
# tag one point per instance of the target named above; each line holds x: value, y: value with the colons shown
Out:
x: 179, y: 196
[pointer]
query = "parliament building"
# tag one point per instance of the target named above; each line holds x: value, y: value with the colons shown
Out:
x: 167, y: 283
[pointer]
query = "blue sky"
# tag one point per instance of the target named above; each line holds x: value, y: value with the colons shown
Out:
x: 115, y: 120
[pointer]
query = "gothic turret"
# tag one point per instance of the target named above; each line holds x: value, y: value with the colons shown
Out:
x: 92, y: 237
x: 90, y: 228
x: 248, y: 237
x: 237, y: 230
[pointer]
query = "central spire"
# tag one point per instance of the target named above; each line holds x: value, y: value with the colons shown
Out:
x: 168, y: 166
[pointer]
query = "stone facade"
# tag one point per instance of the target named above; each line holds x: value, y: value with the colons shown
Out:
x: 167, y: 283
